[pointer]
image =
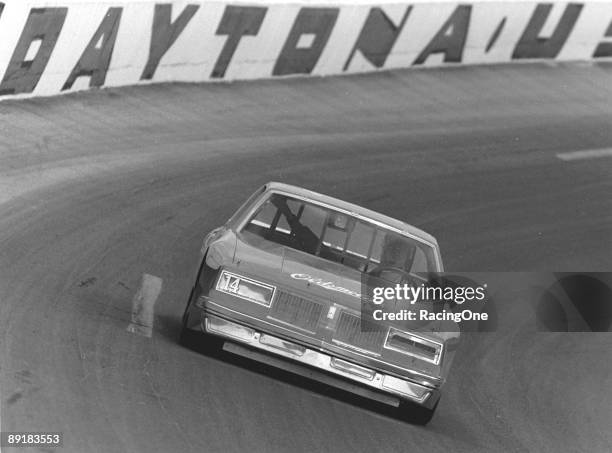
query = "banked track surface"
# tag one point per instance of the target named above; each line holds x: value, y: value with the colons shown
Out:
x: 99, y: 188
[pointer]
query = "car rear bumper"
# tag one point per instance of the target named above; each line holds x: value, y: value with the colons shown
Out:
x: 260, y: 346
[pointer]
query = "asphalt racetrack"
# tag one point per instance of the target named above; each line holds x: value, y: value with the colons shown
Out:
x: 97, y: 189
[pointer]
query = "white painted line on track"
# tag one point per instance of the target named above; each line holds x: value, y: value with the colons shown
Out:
x: 585, y: 154
x: 142, y: 305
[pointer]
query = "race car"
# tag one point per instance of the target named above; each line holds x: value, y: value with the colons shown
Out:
x: 282, y: 282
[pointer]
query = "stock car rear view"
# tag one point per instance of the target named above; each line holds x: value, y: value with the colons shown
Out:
x: 281, y: 283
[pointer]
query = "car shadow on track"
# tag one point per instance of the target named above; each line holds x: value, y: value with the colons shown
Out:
x: 170, y: 328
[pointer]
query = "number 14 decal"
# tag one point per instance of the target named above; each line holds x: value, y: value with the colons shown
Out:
x: 232, y: 284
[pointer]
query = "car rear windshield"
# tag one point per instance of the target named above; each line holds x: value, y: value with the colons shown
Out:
x: 338, y: 237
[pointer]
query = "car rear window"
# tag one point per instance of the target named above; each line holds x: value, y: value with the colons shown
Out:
x: 336, y: 236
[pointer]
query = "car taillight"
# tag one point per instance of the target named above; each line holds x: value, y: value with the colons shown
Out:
x: 414, y: 345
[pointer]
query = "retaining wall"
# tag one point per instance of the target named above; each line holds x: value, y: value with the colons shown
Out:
x: 52, y: 47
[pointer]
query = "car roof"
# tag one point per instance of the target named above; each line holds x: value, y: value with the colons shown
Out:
x: 373, y: 215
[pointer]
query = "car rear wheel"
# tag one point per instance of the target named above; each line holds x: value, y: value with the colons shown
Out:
x: 198, y: 341
x: 189, y: 338
x: 417, y: 414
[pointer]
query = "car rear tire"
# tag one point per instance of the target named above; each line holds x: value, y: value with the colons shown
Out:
x: 189, y: 338
x: 417, y: 414
x: 199, y: 341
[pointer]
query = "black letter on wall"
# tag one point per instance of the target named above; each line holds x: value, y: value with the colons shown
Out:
x: 531, y: 46
x: 604, y: 49
x: 96, y: 58
x: 237, y: 22
x: 164, y: 34
x: 316, y: 21
x: 450, y: 39
x: 43, y: 25
x: 377, y: 37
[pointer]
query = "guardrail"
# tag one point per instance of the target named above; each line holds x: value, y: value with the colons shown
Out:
x: 52, y: 47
